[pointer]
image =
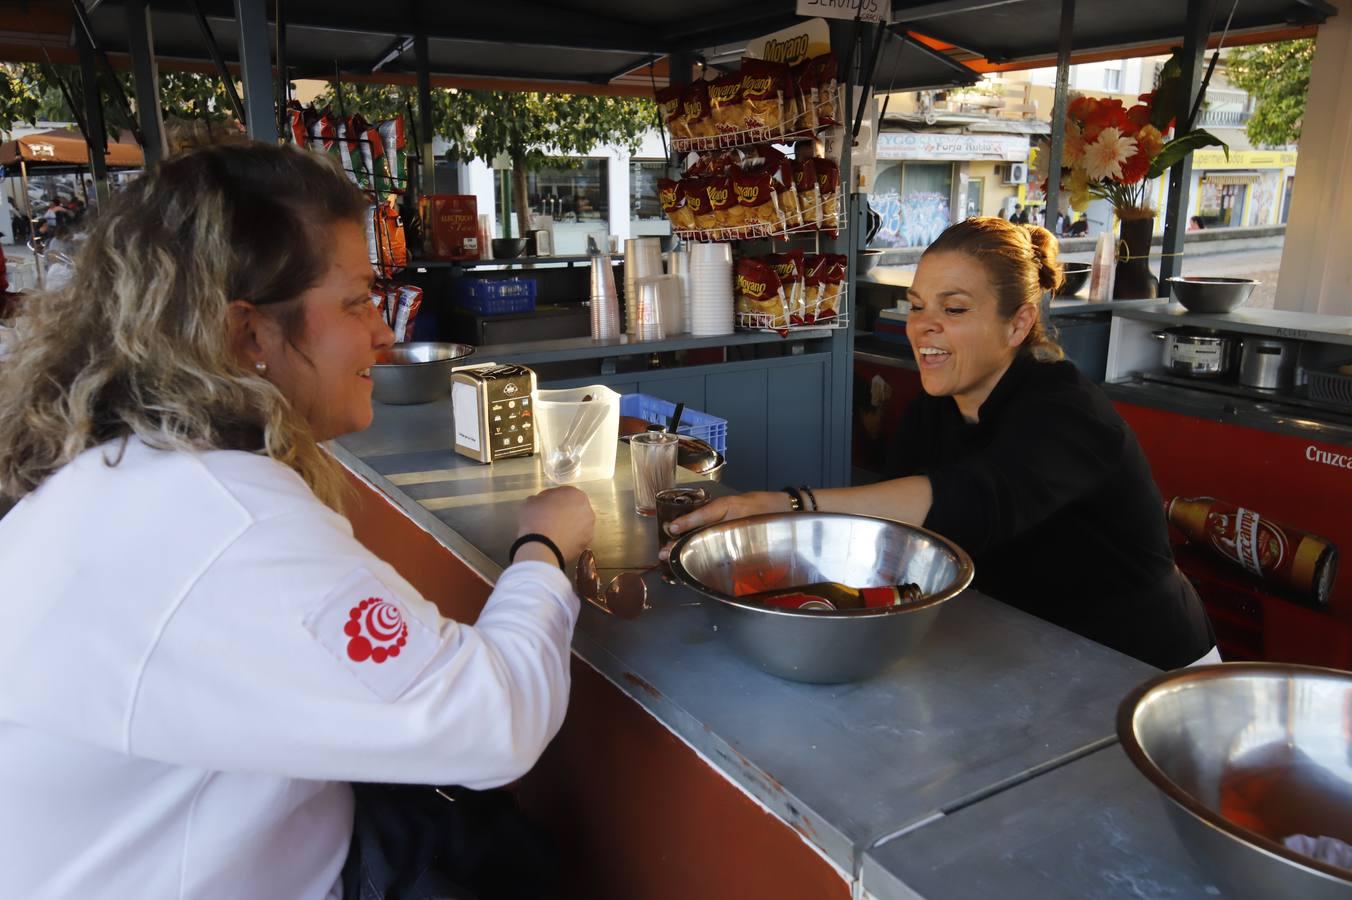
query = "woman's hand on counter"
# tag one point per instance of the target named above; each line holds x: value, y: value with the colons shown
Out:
x: 734, y: 506
x: 562, y: 514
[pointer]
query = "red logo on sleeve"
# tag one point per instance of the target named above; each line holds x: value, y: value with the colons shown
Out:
x: 377, y: 630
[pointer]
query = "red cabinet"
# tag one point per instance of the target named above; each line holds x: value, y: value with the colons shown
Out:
x: 1298, y: 481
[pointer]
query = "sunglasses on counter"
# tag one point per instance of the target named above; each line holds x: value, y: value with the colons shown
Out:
x: 626, y: 596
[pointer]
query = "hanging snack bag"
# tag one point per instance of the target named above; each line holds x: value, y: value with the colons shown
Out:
x: 814, y: 268
x: 782, y: 171
x: 828, y: 189
x: 760, y: 294
x: 323, y: 134
x: 804, y: 76
x: 825, y: 88
x: 697, y: 119
x: 833, y: 284
x: 408, y: 302
x: 391, y: 253
x: 805, y: 183
x: 373, y: 157
x: 671, y: 107
x: 725, y: 104
x: 723, y: 202
x: 789, y: 267
x: 757, y: 199
x: 697, y: 200
x: 296, y: 131
x: 765, y: 100
x: 378, y: 300
x: 672, y: 198
x: 396, y: 153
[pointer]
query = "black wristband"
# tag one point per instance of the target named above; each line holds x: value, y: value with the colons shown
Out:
x: 795, y: 499
x: 810, y: 496
x: 538, y: 538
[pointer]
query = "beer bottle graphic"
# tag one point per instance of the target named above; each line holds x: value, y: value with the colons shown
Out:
x: 1290, y: 559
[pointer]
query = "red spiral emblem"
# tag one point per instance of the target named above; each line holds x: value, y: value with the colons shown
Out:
x: 377, y: 630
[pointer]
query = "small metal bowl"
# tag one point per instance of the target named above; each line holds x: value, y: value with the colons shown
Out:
x: 418, y: 372
x: 766, y: 552
x: 1247, y: 754
x: 1074, y: 275
x: 1201, y: 294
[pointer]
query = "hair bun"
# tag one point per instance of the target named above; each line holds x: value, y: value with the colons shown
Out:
x: 1045, y: 248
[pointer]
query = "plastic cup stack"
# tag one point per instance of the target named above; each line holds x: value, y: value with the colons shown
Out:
x: 605, y: 301
x: 710, y: 290
x: 647, y: 305
x: 678, y: 265
x: 642, y: 259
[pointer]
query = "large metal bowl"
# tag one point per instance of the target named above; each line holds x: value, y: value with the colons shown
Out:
x: 1202, y: 294
x: 1248, y: 754
x: 417, y: 372
x: 765, y: 552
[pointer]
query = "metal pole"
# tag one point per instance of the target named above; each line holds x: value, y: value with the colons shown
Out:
x: 146, y: 74
x: 256, y: 69
x: 39, y: 262
x: 429, y: 167
x: 97, y: 137
x: 283, y: 81
x: 1180, y: 175
x: 1052, y: 208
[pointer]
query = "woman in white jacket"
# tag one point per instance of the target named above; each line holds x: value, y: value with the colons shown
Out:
x: 197, y: 656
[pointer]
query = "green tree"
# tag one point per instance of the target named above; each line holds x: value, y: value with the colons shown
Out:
x: 527, y: 128
x: 1277, y: 76
x: 31, y: 93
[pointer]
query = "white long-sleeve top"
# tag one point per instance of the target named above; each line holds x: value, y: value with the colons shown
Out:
x: 196, y: 656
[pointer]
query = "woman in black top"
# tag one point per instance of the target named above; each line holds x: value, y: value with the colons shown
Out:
x: 1020, y: 459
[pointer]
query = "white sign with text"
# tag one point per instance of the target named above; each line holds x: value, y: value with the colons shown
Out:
x: 867, y: 10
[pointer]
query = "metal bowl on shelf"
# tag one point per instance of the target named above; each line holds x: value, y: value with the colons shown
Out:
x: 1204, y: 294
x: 1074, y: 275
x: 417, y: 372
x: 765, y: 552
x: 1247, y: 755
x: 508, y: 248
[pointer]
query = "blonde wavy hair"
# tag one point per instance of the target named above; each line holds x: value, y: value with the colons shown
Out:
x: 136, y: 342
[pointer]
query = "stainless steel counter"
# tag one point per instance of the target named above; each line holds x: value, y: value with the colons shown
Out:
x: 993, y: 698
x: 1088, y: 831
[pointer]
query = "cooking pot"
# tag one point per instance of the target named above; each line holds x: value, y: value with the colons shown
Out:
x: 1197, y: 352
x: 1268, y: 364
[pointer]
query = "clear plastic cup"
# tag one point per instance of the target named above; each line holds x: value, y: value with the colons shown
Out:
x: 652, y: 454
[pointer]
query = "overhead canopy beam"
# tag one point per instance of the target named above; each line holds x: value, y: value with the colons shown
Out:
x: 96, y: 133
x: 214, y: 51
x: 256, y: 69
x: 941, y: 8
x: 147, y: 81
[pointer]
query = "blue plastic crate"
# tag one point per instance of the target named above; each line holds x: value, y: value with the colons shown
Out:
x: 710, y: 429
x: 496, y: 297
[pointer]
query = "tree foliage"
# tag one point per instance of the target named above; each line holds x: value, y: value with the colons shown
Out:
x: 1277, y: 76
x: 32, y: 93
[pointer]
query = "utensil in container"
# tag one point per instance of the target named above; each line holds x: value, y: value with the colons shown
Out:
x: 577, y: 437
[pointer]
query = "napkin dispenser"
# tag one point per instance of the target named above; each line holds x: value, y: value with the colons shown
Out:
x: 493, y: 414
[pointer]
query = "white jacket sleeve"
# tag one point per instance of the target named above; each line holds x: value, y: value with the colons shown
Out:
x: 299, y: 653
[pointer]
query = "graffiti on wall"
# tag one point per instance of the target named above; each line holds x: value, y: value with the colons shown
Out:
x: 913, y: 219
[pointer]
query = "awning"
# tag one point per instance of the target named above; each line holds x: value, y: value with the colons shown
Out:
x: 1230, y: 177
x: 63, y: 147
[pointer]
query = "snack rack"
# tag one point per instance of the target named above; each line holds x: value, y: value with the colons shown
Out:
x: 764, y: 322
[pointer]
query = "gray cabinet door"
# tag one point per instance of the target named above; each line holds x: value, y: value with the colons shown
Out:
x: 795, y: 427
x: 740, y: 397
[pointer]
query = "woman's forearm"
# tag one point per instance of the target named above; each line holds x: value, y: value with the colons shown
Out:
x: 904, y: 499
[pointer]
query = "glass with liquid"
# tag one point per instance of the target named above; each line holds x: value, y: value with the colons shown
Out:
x: 671, y: 505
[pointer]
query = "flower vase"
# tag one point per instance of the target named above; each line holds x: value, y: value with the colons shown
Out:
x: 1133, y: 279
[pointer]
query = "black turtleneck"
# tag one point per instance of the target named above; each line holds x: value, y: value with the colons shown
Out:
x: 1052, y: 496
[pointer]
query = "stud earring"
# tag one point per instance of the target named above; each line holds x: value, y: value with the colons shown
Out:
x: 261, y: 367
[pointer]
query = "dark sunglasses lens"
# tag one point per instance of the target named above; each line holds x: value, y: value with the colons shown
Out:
x: 586, y: 580
x: 627, y: 595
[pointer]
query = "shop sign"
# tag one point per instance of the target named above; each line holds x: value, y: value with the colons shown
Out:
x: 794, y: 44
x: 923, y: 145
x: 867, y: 10
x: 1244, y: 159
